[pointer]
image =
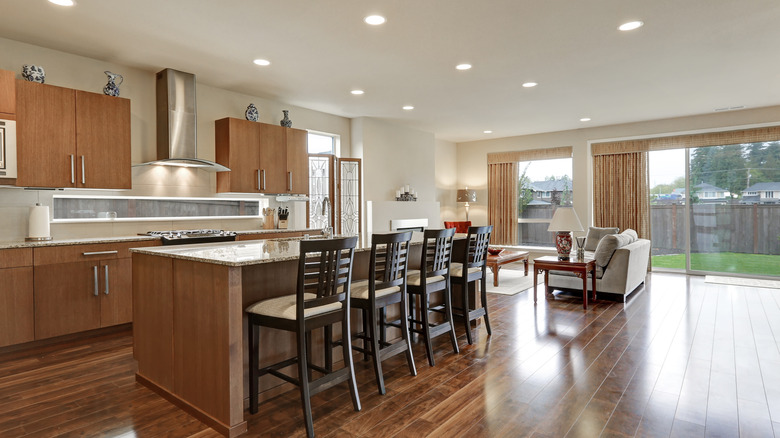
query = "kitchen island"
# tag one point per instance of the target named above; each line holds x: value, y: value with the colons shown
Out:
x: 189, y: 324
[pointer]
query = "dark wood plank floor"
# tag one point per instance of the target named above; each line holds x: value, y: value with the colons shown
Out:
x: 684, y: 358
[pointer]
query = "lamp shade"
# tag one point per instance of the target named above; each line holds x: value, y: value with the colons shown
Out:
x: 565, y: 219
x: 466, y: 195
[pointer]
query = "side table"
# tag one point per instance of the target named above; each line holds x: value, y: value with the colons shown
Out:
x: 494, y: 262
x: 580, y: 268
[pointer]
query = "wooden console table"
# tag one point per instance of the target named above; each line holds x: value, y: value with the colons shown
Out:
x: 494, y: 262
x: 580, y: 268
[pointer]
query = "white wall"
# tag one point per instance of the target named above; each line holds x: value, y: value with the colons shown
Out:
x: 73, y: 71
x: 447, y: 181
x: 472, y: 156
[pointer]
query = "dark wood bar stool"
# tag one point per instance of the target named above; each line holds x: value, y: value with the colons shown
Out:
x: 386, y: 285
x: 322, y: 298
x: 470, y: 266
x: 433, y: 276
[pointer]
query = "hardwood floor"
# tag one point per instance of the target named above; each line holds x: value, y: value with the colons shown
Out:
x: 683, y: 358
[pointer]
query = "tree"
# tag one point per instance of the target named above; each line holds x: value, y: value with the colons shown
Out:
x: 525, y: 191
x: 721, y: 166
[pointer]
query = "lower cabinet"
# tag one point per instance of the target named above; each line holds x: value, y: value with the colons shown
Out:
x: 16, y: 297
x: 82, y: 287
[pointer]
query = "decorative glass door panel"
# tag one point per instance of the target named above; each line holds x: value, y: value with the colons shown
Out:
x: 320, y: 190
x: 349, y: 199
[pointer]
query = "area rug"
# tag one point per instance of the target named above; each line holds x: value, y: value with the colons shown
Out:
x: 511, y: 282
x: 739, y: 281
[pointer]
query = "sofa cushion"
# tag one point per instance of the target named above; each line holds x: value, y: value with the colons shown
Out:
x: 595, y: 234
x: 632, y: 234
x: 607, y: 246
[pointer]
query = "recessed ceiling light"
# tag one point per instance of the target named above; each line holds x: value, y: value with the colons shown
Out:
x: 631, y: 25
x: 262, y: 62
x: 374, y: 20
x: 463, y: 66
x: 408, y: 107
x: 585, y: 119
x: 62, y: 2
x: 357, y: 92
x: 487, y: 132
x: 530, y: 84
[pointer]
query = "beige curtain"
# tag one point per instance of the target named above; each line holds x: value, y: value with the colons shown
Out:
x: 621, y: 195
x: 502, y: 202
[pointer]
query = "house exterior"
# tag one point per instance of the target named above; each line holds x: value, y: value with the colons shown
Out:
x: 558, y: 192
x: 762, y: 193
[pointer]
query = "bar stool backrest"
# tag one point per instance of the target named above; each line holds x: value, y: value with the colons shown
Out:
x: 437, y: 252
x: 477, y: 241
x: 389, y: 260
x: 325, y: 270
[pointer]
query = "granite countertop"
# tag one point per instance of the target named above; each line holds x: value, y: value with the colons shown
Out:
x: 79, y: 241
x: 240, y: 253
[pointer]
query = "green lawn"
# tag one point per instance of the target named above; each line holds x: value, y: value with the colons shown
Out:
x: 761, y: 264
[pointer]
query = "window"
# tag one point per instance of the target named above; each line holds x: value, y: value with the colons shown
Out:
x: 543, y: 186
x: 320, y: 143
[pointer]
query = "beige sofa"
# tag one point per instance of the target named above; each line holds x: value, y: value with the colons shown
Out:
x: 623, y: 272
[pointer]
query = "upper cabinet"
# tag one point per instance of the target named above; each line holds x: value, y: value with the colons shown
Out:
x: 7, y: 95
x: 71, y: 138
x: 262, y: 158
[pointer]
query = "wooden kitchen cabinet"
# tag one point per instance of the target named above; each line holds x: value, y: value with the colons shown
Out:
x: 7, y: 95
x: 83, y: 287
x: 16, y: 296
x: 71, y: 138
x: 262, y: 158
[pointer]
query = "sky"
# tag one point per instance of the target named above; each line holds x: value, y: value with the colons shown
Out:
x: 541, y: 169
x: 666, y: 166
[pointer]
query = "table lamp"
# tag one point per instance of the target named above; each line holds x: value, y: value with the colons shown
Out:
x: 564, y: 221
x: 466, y: 195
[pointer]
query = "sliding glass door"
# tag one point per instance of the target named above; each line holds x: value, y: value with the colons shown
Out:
x: 730, y: 202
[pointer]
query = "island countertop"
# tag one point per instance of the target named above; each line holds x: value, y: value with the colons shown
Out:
x: 240, y: 253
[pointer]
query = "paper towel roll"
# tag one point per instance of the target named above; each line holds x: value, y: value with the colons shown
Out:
x: 39, y: 223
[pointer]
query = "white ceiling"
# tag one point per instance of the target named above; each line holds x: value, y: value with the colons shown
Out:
x: 691, y: 57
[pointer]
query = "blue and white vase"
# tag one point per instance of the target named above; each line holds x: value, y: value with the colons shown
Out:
x: 286, y: 122
x: 33, y: 73
x: 251, y: 113
x: 112, y: 88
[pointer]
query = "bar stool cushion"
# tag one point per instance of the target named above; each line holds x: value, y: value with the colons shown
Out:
x: 284, y: 307
x: 413, y: 278
x: 456, y: 269
x: 359, y: 289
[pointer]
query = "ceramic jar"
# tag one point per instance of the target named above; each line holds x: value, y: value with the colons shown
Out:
x: 112, y: 88
x: 251, y: 113
x: 33, y: 73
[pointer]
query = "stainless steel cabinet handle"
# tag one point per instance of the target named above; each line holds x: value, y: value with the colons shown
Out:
x: 83, y: 171
x: 263, y: 180
x: 95, y: 271
x: 106, y: 279
x: 72, y: 170
x: 99, y: 253
x: 258, y: 180
x: 289, y: 181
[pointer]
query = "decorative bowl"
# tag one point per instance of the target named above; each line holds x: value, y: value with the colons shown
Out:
x: 495, y: 251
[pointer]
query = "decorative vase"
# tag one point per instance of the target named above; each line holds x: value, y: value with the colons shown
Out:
x: 563, y: 244
x: 33, y: 73
x: 286, y: 122
x: 251, y: 113
x: 112, y: 88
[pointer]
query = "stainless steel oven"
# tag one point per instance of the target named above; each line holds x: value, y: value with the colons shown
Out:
x: 7, y: 149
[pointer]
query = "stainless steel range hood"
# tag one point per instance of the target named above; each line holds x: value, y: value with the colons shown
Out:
x: 177, y: 122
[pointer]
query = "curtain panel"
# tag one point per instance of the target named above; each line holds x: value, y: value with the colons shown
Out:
x: 529, y: 155
x: 753, y: 135
x: 502, y: 202
x: 621, y: 195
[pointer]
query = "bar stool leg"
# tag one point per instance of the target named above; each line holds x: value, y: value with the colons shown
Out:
x: 346, y: 345
x: 483, y: 295
x: 464, y: 293
x: 426, y: 328
x: 380, y: 381
x: 303, y: 377
x: 448, y: 309
x: 406, y: 335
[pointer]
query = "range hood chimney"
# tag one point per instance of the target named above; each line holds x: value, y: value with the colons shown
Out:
x: 177, y: 122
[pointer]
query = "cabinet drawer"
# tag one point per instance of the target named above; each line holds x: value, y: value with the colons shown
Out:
x: 77, y: 253
x: 16, y: 257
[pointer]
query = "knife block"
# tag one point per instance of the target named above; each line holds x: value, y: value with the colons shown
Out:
x: 268, y: 221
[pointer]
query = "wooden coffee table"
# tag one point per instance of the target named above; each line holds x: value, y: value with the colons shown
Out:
x: 579, y: 267
x: 494, y: 262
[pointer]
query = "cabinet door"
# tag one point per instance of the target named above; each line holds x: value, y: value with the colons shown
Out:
x: 237, y: 146
x: 16, y: 306
x: 45, y: 135
x: 7, y: 94
x: 297, y: 161
x: 65, y: 300
x: 103, y: 141
x: 116, y: 292
x: 273, y: 158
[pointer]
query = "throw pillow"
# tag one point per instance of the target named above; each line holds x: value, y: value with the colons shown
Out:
x: 607, y: 246
x: 632, y: 234
x: 595, y: 234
